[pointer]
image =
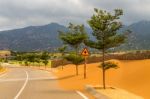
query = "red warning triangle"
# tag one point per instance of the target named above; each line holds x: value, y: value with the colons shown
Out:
x: 85, y: 52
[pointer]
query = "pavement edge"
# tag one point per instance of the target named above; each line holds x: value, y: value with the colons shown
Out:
x: 96, y: 94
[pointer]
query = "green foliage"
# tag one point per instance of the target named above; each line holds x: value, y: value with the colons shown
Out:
x: 1, y: 60
x: 62, y: 49
x: 75, y: 59
x: 105, y: 28
x: 19, y: 57
x: 45, y: 57
x: 32, y: 57
x: 74, y: 36
x: 108, y: 65
x: 26, y: 63
x: 45, y: 62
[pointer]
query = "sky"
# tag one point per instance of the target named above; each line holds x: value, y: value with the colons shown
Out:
x: 22, y: 13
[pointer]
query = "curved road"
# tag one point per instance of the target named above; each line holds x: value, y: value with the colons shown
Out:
x: 27, y: 83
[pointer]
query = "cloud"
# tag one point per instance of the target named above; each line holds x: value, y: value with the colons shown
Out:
x: 21, y: 13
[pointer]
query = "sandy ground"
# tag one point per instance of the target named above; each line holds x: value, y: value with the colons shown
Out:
x: 133, y: 76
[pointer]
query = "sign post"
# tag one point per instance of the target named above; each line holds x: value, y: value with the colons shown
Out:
x: 85, y: 53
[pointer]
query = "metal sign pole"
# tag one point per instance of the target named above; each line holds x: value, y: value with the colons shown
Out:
x: 85, y: 67
x: 85, y: 54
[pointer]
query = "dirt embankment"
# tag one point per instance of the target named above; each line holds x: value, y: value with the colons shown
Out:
x: 132, y: 75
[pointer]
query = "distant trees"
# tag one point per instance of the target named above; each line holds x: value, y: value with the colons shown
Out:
x: 20, y: 57
x: 31, y: 58
x: 105, y: 28
x: 28, y: 58
x: 1, y: 60
x: 0, y: 63
x: 38, y: 60
x: 75, y: 35
x: 62, y: 51
x: 44, y: 58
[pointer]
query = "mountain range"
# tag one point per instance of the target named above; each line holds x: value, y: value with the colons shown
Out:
x: 37, y: 38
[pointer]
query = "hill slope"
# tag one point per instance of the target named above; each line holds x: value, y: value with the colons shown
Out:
x: 36, y: 38
x: 140, y: 37
x: 32, y: 38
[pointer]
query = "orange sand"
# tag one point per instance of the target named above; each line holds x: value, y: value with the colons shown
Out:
x: 133, y: 76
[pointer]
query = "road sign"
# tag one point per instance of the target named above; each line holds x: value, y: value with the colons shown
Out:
x: 85, y: 52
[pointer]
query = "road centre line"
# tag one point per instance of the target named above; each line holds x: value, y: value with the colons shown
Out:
x: 81, y: 94
x: 24, y: 85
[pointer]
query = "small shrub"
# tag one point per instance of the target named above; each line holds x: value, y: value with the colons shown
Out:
x: 75, y: 59
x: 108, y: 65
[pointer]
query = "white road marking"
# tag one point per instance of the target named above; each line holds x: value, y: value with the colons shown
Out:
x: 24, y: 85
x: 81, y: 94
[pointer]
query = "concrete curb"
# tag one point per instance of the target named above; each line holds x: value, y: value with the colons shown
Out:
x: 96, y: 94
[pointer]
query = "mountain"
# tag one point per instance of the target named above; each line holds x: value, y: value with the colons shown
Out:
x: 32, y: 38
x: 36, y: 38
x: 139, y: 39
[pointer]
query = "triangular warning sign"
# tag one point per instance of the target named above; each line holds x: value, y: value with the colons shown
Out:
x: 85, y: 52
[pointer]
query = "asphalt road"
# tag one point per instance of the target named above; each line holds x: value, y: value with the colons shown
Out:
x: 27, y: 83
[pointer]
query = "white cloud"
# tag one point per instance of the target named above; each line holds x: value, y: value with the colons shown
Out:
x: 20, y: 13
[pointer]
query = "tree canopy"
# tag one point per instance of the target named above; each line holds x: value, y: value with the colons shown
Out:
x: 75, y: 35
x: 105, y: 26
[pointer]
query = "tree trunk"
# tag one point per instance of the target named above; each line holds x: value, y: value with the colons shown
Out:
x: 77, y: 70
x: 62, y: 67
x: 103, y: 69
x: 76, y: 56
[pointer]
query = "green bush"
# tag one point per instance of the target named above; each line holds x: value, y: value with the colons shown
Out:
x: 75, y: 59
x: 108, y: 65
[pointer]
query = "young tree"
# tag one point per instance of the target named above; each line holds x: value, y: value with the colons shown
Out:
x: 38, y: 60
x: 26, y: 63
x: 75, y: 59
x: 75, y: 35
x: 44, y: 58
x: 31, y: 58
x: 19, y: 57
x: 62, y: 51
x: 105, y: 28
x: 45, y: 63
